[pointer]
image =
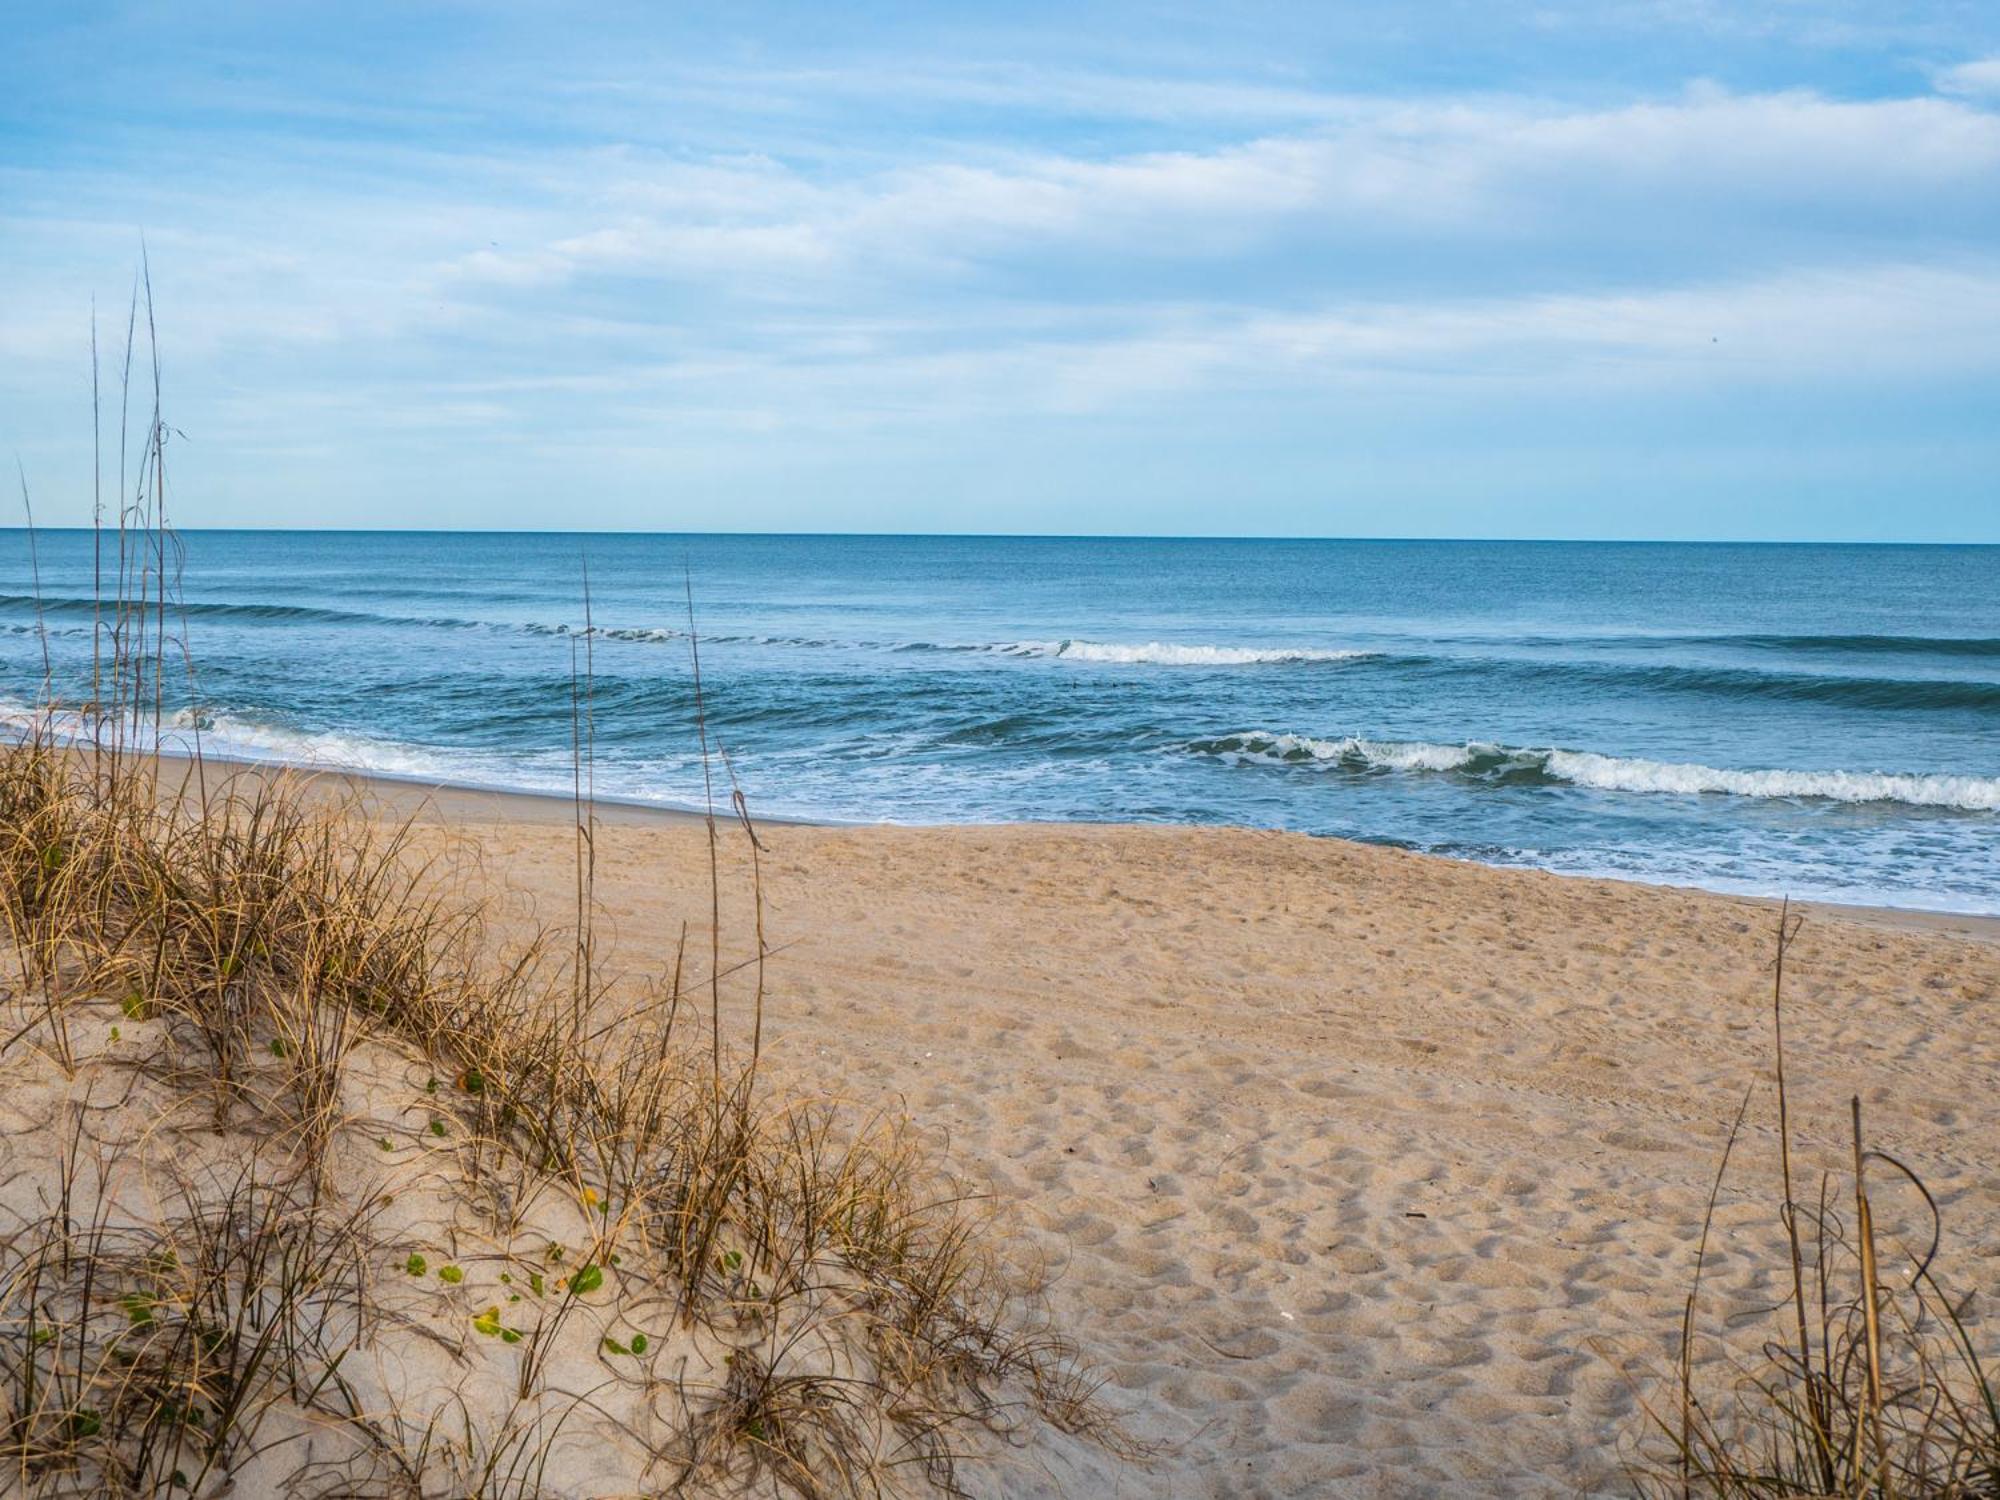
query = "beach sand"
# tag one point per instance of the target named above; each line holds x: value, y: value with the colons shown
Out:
x: 1368, y: 1173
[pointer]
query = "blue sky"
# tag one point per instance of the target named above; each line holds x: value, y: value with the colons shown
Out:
x: 1670, y: 269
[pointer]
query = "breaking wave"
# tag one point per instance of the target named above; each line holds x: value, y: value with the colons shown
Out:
x: 245, y: 737
x: 230, y: 736
x: 1168, y: 654
x: 1501, y: 764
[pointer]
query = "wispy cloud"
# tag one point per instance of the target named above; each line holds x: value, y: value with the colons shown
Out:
x: 649, y: 256
x: 1980, y: 78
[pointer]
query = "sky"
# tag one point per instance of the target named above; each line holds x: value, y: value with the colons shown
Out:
x: 1666, y: 268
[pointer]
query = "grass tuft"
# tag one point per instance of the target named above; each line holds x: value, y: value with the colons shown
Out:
x: 1872, y: 1385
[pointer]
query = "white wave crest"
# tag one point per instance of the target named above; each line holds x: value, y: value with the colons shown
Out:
x: 226, y: 736
x: 1607, y: 772
x: 1352, y: 752
x: 603, y: 632
x: 1614, y: 773
x: 1168, y: 654
x: 234, y: 737
x: 636, y: 633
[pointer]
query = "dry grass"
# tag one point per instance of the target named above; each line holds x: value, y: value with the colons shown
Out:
x: 262, y: 949
x: 314, y: 1186
x: 1871, y: 1385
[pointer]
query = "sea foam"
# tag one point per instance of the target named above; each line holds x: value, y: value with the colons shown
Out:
x: 229, y: 736
x: 239, y: 737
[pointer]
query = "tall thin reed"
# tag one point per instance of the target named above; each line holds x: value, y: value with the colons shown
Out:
x: 1877, y: 1390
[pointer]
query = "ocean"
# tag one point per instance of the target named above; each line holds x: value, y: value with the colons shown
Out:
x: 1819, y: 721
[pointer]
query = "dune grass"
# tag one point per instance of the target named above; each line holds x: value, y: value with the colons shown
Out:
x: 246, y: 943
x: 1871, y: 1384
x: 318, y: 1183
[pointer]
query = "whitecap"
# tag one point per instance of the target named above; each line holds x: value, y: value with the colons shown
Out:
x: 1171, y: 654
x: 1615, y: 773
x: 1583, y: 768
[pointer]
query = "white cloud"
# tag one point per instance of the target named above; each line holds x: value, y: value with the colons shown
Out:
x: 1177, y: 99
x: 1980, y: 77
x: 1804, y: 328
x: 1783, y: 167
x: 1802, y: 325
x: 1439, y: 248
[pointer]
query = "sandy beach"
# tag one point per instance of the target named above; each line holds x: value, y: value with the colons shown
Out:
x: 1368, y: 1173
x: 1132, y: 751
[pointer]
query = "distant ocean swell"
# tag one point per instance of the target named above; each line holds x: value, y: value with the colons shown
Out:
x: 1742, y: 683
x: 1860, y: 645
x: 1830, y: 644
x: 1151, y: 653
x: 1723, y: 682
x: 276, y: 614
x: 1823, y: 721
x: 1156, y: 652
x: 1507, y: 765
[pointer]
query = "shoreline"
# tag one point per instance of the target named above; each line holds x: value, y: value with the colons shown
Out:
x: 461, y: 802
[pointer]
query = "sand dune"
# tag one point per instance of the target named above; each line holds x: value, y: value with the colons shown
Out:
x: 1371, y: 1173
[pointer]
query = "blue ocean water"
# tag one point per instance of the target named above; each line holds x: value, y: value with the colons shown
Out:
x: 1817, y: 720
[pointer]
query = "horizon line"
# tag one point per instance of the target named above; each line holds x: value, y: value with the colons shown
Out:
x: 1024, y: 536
